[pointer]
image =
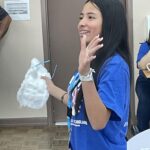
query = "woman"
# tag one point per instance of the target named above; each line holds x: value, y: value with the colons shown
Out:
x: 98, y: 95
x: 143, y: 86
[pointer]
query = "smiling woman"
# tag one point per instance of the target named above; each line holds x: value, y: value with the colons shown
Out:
x: 98, y: 95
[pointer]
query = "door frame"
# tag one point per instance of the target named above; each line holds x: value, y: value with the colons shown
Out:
x: 129, y: 8
x: 47, y: 55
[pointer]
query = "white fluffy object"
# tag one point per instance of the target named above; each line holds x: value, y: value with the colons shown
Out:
x: 33, y: 92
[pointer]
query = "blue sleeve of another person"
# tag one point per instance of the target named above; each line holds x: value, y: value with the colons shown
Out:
x: 144, y: 48
x: 114, y: 87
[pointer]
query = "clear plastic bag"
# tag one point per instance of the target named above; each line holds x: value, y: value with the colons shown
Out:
x: 33, y: 92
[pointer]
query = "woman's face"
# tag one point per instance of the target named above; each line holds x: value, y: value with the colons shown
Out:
x: 90, y: 23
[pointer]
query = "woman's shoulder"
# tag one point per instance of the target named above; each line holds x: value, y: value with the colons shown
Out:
x: 114, y: 67
x: 116, y: 60
x: 115, y: 64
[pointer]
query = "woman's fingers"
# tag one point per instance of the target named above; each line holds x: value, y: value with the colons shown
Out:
x: 95, y: 42
x: 93, y: 50
x: 44, y: 78
x: 95, y: 39
x: 83, y: 43
x: 91, y: 58
x: 87, y: 53
x: 47, y: 79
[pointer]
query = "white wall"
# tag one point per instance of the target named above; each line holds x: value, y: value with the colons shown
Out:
x: 22, y: 42
x: 140, y: 10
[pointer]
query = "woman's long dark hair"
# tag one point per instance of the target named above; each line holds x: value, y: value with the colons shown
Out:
x: 115, y: 36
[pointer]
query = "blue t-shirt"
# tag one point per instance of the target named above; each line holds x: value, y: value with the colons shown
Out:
x: 143, y: 50
x: 114, y: 90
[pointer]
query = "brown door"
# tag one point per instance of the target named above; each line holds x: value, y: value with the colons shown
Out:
x: 64, y: 46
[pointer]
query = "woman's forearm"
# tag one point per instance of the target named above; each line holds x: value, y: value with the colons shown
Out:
x: 59, y: 94
x: 97, y: 113
x: 55, y: 91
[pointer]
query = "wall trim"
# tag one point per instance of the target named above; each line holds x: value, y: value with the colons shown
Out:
x: 10, y: 122
x: 129, y: 4
x: 47, y: 55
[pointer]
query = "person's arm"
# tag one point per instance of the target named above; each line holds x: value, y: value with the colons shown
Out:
x: 56, y: 92
x: 4, y: 25
x: 97, y: 112
x: 144, y: 61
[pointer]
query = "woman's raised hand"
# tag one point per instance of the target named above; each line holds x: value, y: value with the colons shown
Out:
x: 87, y: 53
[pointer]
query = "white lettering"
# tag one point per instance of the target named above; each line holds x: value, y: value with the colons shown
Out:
x: 78, y: 122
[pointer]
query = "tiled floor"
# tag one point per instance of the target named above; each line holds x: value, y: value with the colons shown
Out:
x: 34, y: 138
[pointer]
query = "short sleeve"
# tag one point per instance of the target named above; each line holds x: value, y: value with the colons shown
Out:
x: 144, y: 48
x: 114, y: 88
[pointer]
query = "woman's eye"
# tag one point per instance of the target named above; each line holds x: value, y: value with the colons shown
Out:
x: 91, y: 17
x: 81, y: 17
